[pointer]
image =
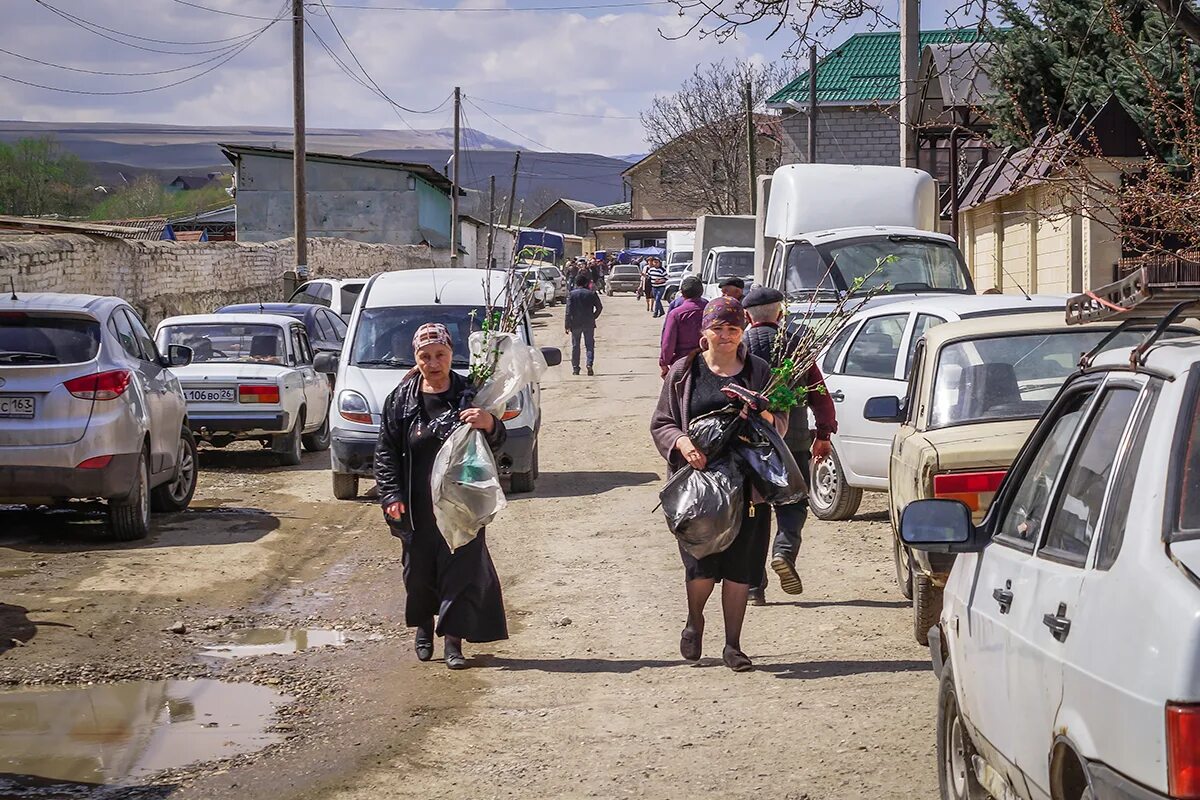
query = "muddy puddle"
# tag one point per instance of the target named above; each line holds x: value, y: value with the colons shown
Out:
x: 120, y: 732
x: 274, y: 641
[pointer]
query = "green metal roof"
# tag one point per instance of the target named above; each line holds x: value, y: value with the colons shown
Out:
x: 864, y: 69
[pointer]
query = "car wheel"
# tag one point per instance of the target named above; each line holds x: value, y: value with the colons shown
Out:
x: 956, y: 754
x: 903, y: 566
x: 927, y: 606
x: 176, y: 494
x: 129, y: 518
x: 345, y: 486
x: 287, y: 445
x: 831, y: 497
x: 521, y: 482
x: 318, y: 440
x: 608, y: 292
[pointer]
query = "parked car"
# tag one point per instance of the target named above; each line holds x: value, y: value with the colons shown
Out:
x: 555, y: 276
x: 543, y: 290
x: 251, y: 378
x: 726, y: 262
x: 623, y: 278
x: 338, y: 295
x: 378, y: 353
x: 89, y: 408
x: 1068, y: 648
x: 675, y: 273
x: 870, y: 357
x: 976, y: 390
x: 326, y: 330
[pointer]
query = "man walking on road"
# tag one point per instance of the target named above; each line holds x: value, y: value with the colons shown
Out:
x: 765, y: 306
x: 657, y: 274
x: 583, y: 308
x: 681, y: 332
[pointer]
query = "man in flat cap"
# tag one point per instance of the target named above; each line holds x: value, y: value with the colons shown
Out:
x: 765, y: 307
x: 732, y: 287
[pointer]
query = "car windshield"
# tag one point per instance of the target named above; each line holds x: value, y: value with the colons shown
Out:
x: 682, y: 257
x: 1010, y: 376
x: 904, y: 265
x: 548, y: 274
x: 735, y: 265
x: 227, y: 342
x: 38, y: 339
x: 384, y: 335
x: 350, y: 293
x: 678, y: 268
x: 626, y: 271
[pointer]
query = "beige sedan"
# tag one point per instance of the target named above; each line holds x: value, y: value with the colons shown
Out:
x: 975, y: 392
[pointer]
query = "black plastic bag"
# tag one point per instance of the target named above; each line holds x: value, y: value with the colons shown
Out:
x: 704, y: 507
x: 769, y: 463
x: 711, y: 433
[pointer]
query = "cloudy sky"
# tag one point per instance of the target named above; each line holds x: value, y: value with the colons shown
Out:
x: 602, y: 64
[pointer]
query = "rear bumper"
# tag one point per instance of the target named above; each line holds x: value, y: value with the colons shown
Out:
x: 209, y: 423
x: 41, y: 484
x: 517, y: 453
x: 353, y: 452
x: 1108, y: 783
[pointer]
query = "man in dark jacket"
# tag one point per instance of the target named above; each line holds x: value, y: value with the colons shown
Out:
x: 583, y: 307
x: 765, y: 306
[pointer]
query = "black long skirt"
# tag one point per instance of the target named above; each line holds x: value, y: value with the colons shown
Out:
x: 461, y: 589
x: 744, y: 561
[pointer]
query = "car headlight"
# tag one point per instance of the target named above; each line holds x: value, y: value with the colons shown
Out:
x: 353, y: 407
x: 512, y: 409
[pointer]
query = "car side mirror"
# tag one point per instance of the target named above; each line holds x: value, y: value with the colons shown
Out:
x: 327, y: 362
x: 940, y: 526
x: 552, y: 355
x: 179, y: 355
x: 884, y: 409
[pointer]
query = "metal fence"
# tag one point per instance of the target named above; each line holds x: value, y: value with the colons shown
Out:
x: 1164, y: 269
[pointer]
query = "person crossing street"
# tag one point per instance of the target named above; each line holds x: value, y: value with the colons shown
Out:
x: 583, y: 308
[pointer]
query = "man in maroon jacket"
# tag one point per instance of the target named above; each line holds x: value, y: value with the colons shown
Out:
x: 681, y: 331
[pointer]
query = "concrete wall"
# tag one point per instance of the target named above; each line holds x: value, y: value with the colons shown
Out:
x: 864, y: 135
x: 357, y: 202
x: 165, y: 278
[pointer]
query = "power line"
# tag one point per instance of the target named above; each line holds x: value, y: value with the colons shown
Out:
x: 548, y: 111
x: 115, y: 74
x: 219, y: 10
x: 585, y: 7
x: 507, y: 128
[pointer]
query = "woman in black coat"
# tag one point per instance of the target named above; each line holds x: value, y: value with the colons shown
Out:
x: 461, y: 589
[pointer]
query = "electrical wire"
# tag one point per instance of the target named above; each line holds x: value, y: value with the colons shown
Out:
x: 502, y: 125
x: 585, y: 7
x: 548, y: 111
x: 116, y: 74
x: 219, y: 10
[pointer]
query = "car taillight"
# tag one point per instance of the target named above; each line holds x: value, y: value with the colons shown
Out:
x: 512, y: 409
x: 258, y: 394
x: 353, y: 407
x: 1183, y: 751
x: 98, y: 462
x: 100, y: 386
x: 975, y: 489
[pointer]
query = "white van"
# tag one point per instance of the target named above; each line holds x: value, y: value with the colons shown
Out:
x: 393, y: 305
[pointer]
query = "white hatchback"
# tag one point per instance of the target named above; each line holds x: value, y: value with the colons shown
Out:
x: 1068, y: 646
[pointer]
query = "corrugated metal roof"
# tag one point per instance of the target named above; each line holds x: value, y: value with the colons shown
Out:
x: 150, y: 229
x: 864, y: 69
x: 132, y: 229
x: 649, y: 225
x: 614, y: 211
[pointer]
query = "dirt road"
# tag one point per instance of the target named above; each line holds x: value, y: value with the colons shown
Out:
x: 589, y: 697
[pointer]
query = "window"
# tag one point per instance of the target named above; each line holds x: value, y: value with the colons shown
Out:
x: 118, y: 323
x: 905, y: 265
x: 873, y: 352
x: 1112, y: 532
x: 300, y: 345
x: 806, y: 272
x: 228, y: 343
x: 774, y: 278
x: 339, y: 327
x: 324, y: 330
x: 324, y: 294
x: 829, y: 365
x: 1077, y: 510
x: 145, y: 340
x: 924, y: 323
x: 1027, y: 512
x: 383, y: 338
x: 914, y: 379
x: 48, y: 339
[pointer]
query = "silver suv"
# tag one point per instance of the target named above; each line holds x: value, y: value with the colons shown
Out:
x: 89, y: 409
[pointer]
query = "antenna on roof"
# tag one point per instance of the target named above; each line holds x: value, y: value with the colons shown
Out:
x: 13, y: 284
x: 1019, y: 286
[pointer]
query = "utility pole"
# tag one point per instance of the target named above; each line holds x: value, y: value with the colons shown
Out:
x: 751, y: 148
x: 512, y: 194
x: 910, y: 53
x: 491, y: 240
x: 454, y: 223
x: 812, y: 104
x: 300, y: 198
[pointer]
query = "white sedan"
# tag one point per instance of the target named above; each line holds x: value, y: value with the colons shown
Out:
x: 251, y: 377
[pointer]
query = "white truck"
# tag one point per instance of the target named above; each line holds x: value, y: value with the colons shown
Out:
x: 679, y: 248
x: 719, y: 230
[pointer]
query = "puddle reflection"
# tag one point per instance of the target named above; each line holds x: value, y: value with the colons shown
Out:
x: 268, y: 641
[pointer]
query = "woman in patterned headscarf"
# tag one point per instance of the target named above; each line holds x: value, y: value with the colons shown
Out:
x: 461, y: 589
x: 691, y: 388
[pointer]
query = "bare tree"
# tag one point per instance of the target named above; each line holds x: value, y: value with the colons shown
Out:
x: 805, y: 20
x: 699, y: 136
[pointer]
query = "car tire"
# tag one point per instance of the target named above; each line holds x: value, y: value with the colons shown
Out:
x: 287, y: 445
x: 129, y: 517
x: 345, y: 486
x: 318, y: 440
x: 927, y: 606
x: 955, y: 753
x: 608, y: 292
x: 521, y: 482
x: 903, y: 565
x: 831, y: 498
x: 176, y: 494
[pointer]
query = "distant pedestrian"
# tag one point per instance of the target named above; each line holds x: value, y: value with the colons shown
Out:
x: 647, y: 293
x: 583, y: 309
x: 732, y: 287
x: 658, y: 283
x: 681, y: 331
x: 765, y: 307
x: 461, y: 589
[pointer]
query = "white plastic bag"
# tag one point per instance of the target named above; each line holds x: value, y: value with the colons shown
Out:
x: 466, y: 487
x: 517, y: 364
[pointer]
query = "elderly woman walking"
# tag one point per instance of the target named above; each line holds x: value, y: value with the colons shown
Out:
x: 461, y: 589
x: 692, y: 387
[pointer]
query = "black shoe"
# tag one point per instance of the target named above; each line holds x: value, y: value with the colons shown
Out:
x: 424, y: 642
x: 454, y: 656
x: 591, y: 371
x: 756, y: 597
x: 575, y: 370
x: 789, y: 579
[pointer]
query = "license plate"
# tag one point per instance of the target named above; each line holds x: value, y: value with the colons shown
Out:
x: 13, y: 406
x: 209, y: 395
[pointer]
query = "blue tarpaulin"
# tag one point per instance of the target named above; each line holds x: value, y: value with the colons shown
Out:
x: 646, y: 252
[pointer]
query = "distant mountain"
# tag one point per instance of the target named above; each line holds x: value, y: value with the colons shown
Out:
x: 632, y: 158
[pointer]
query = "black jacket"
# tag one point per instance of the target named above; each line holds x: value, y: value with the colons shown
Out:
x: 760, y: 339
x: 583, y: 307
x: 393, y: 462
